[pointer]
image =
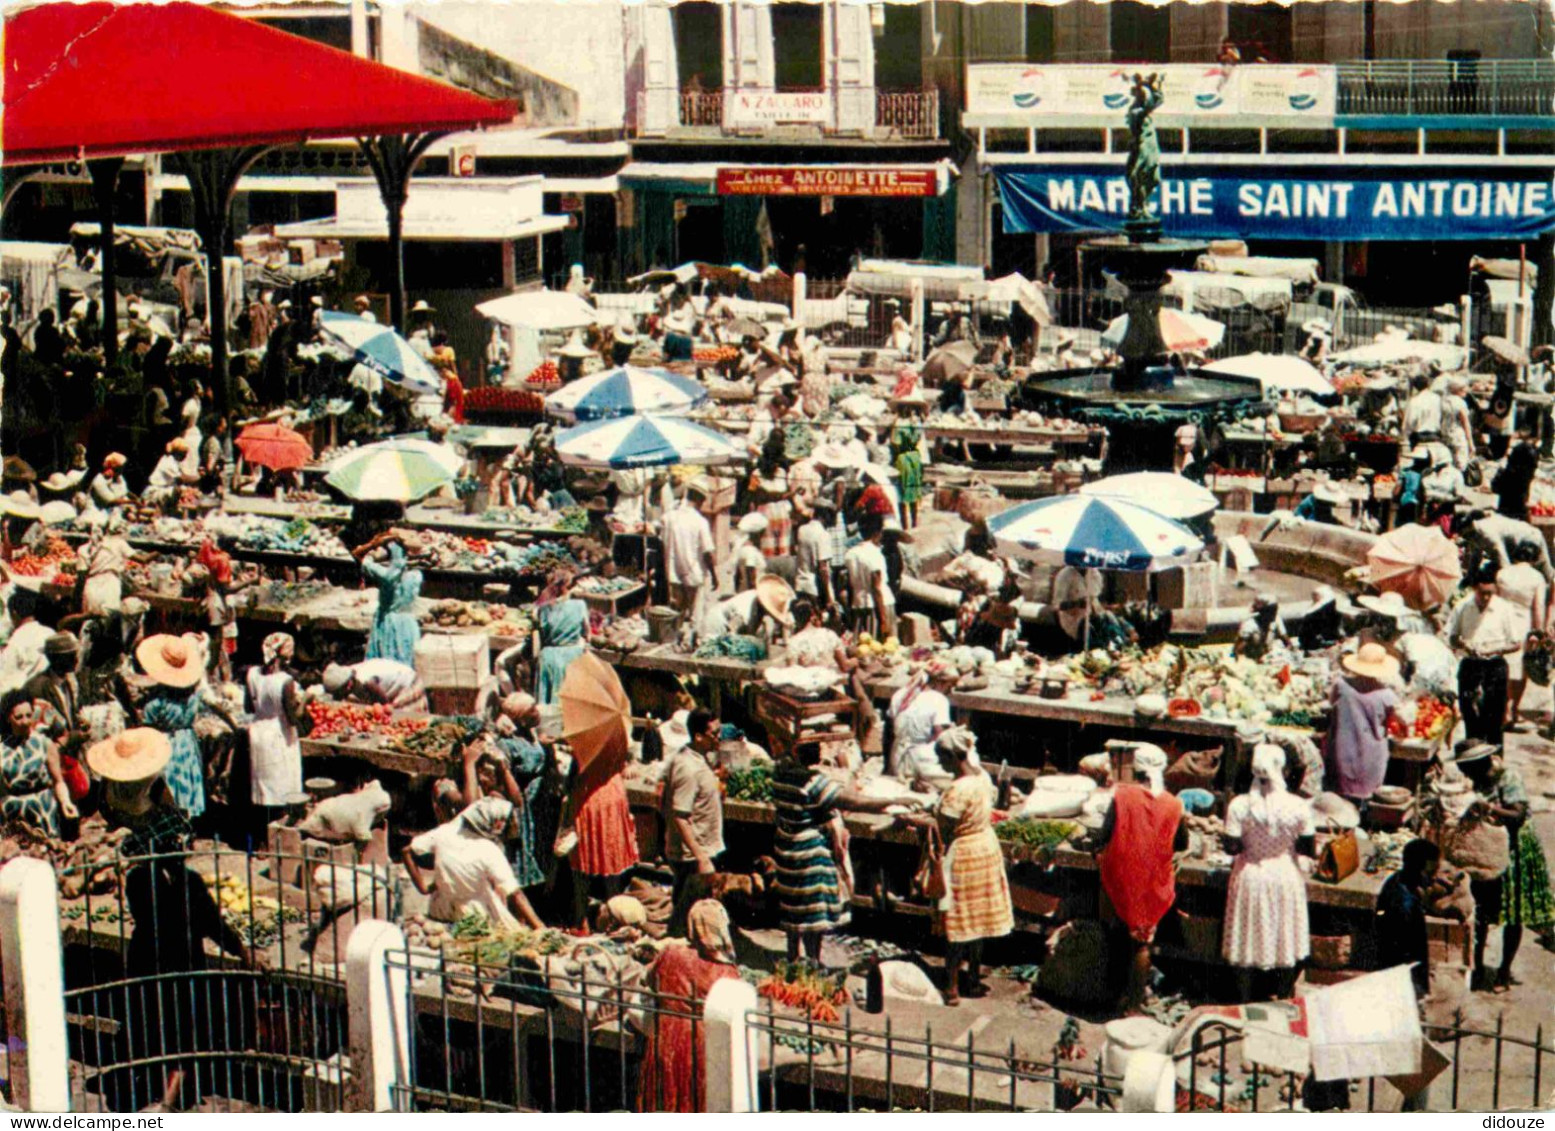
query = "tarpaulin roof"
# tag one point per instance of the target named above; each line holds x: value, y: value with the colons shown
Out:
x: 109, y: 80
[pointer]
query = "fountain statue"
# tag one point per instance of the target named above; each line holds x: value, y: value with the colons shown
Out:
x: 1150, y: 393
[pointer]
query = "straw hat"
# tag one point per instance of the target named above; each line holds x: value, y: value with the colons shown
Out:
x: 170, y: 660
x: 19, y: 504
x: 1388, y: 604
x: 774, y: 595
x: 423, y: 307
x: 56, y: 512
x: 1373, y: 661
x: 133, y: 755
x: 626, y: 332
x: 1326, y: 492
x: 1471, y: 751
x: 575, y: 347
x: 753, y: 523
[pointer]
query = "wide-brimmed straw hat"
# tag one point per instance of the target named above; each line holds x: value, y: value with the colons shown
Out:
x: 774, y: 595
x: 170, y: 660
x: 132, y: 755
x: 1388, y: 604
x: 1372, y: 661
x: 1328, y: 493
x: 575, y: 347
x: 19, y: 504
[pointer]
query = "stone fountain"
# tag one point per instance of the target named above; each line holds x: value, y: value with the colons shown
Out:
x: 1144, y: 399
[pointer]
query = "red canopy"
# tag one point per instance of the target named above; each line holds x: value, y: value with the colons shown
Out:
x: 110, y: 80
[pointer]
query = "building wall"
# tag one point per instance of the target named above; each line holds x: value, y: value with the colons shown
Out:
x: 579, y: 46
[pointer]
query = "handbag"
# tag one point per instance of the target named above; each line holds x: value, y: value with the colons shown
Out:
x: 1341, y: 857
x: 929, y: 880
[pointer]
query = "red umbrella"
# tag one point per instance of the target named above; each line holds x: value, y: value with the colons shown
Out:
x: 274, y: 446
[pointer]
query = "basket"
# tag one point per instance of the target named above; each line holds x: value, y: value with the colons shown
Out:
x: 1332, y: 952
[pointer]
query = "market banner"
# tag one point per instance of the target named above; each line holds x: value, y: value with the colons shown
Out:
x: 1349, y: 204
x: 843, y: 180
x: 1190, y: 91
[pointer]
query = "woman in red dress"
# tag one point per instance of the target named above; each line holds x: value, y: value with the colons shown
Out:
x: 674, y: 1072
x: 600, y: 816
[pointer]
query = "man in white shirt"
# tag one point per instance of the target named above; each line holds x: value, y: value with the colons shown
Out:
x: 693, y: 810
x: 690, y: 560
x: 812, y: 549
x: 1484, y: 631
x: 384, y: 681
x: 22, y: 657
x: 469, y: 868
x: 1423, y: 414
x: 872, y: 604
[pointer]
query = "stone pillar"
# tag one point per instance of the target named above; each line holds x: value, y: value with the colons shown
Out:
x: 359, y: 39
x: 34, y: 986
x: 377, y: 1014
x: 731, y: 1052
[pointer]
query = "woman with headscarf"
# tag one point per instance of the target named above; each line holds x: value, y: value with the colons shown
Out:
x: 977, y: 903
x: 32, y: 782
x: 1139, y: 835
x: 919, y: 713
x: 396, y: 631
x: 104, y: 559
x: 469, y: 871
x: 674, y: 1065
x: 108, y: 490
x: 175, y: 664
x: 561, y: 633
x: 814, y: 882
x: 1266, y: 927
x: 517, y: 767
x: 275, y: 707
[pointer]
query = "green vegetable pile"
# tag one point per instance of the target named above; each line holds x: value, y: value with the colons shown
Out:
x: 1035, y: 833
x: 1291, y: 719
x: 573, y: 520
x: 798, y: 441
x: 751, y: 649
x: 438, y: 739
x: 752, y: 784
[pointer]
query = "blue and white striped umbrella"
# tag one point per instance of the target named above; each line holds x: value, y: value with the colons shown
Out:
x: 1091, y: 533
x: 644, y: 441
x: 626, y: 391
x: 383, y: 351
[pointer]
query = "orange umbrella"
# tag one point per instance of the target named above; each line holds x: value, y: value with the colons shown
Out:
x: 1418, y: 562
x: 274, y: 446
x: 596, y: 714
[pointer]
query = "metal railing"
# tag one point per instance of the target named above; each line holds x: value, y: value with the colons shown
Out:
x: 153, y: 989
x: 1445, y: 86
x: 1486, y: 1067
x: 814, y: 1066
x: 701, y: 108
x: 908, y: 113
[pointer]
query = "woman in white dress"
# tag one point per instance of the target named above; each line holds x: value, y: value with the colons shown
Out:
x: 104, y: 559
x: 1525, y: 589
x: 275, y: 707
x: 1266, y: 927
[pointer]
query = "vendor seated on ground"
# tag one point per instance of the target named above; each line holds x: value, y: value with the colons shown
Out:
x: 388, y: 682
x: 1262, y: 632
x: 761, y: 611
x: 463, y: 867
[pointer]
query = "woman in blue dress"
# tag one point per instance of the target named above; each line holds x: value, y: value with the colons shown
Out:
x: 562, y: 623
x: 176, y: 664
x: 395, y: 630
x: 32, y: 787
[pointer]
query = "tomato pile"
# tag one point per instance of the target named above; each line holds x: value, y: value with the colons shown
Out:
x: 351, y: 718
x: 1542, y: 510
x: 715, y: 355
x: 1432, y: 717
x: 546, y: 375
x: 45, y: 564
x: 496, y: 398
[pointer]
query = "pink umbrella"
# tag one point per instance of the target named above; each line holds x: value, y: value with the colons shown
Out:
x: 1418, y: 562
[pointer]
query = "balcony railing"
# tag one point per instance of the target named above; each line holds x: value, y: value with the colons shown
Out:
x: 1482, y: 87
x: 701, y: 108
x: 908, y: 113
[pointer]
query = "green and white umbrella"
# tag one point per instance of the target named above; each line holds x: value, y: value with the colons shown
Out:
x: 399, y: 471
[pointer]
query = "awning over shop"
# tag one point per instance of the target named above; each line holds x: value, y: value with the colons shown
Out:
x: 438, y: 208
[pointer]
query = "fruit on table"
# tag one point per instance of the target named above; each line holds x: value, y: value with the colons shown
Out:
x: 1432, y: 717
x: 351, y: 718
x: 498, y: 398
x: 868, y: 646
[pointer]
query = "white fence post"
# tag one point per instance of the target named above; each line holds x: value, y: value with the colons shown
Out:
x: 34, y: 986
x: 377, y: 1007
x: 919, y: 310
x: 730, y: 1051
x: 801, y: 295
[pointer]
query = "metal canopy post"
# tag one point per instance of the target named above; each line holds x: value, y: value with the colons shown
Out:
x: 105, y: 182
x: 393, y: 158
x: 213, y: 176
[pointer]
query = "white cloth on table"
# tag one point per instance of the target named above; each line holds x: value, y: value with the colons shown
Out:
x: 274, y: 746
x: 1266, y: 902
x: 688, y: 538
x: 383, y: 680
x: 468, y: 871
x: 814, y: 647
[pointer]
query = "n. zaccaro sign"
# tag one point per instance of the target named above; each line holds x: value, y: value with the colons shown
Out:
x: 772, y: 108
x: 1383, y: 203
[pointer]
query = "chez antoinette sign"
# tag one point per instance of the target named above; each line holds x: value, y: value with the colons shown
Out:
x: 774, y: 108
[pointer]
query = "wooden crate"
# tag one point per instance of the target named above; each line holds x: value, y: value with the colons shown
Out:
x: 1451, y: 942
x: 1186, y: 587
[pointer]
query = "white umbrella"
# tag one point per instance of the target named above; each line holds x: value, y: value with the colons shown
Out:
x: 1168, y: 495
x: 1092, y: 533
x: 1276, y: 372
x: 441, y: 454
x: 541, y: 310
x: 1390, y: 350
x: 381, y: 350
x: 644, y: 441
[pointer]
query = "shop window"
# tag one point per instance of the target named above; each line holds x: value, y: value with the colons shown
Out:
x: 1260, y: 32
x: 332, y: 31
x: 1039, y: 33
x: 1141, y: 33
x: 796, y: 46
x: 699, y: 45
x: 899, y: 49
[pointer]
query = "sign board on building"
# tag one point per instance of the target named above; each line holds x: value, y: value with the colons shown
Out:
x: 1205, y: 91
x: 771, y: 108
x: 839, y: 180
x: 1380, y: 203
x: 461, y: 161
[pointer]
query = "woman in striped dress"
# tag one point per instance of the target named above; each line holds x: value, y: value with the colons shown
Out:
x: 814, y: 878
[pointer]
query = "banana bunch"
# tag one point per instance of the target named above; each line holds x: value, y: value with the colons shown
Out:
x: 233, y: 896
